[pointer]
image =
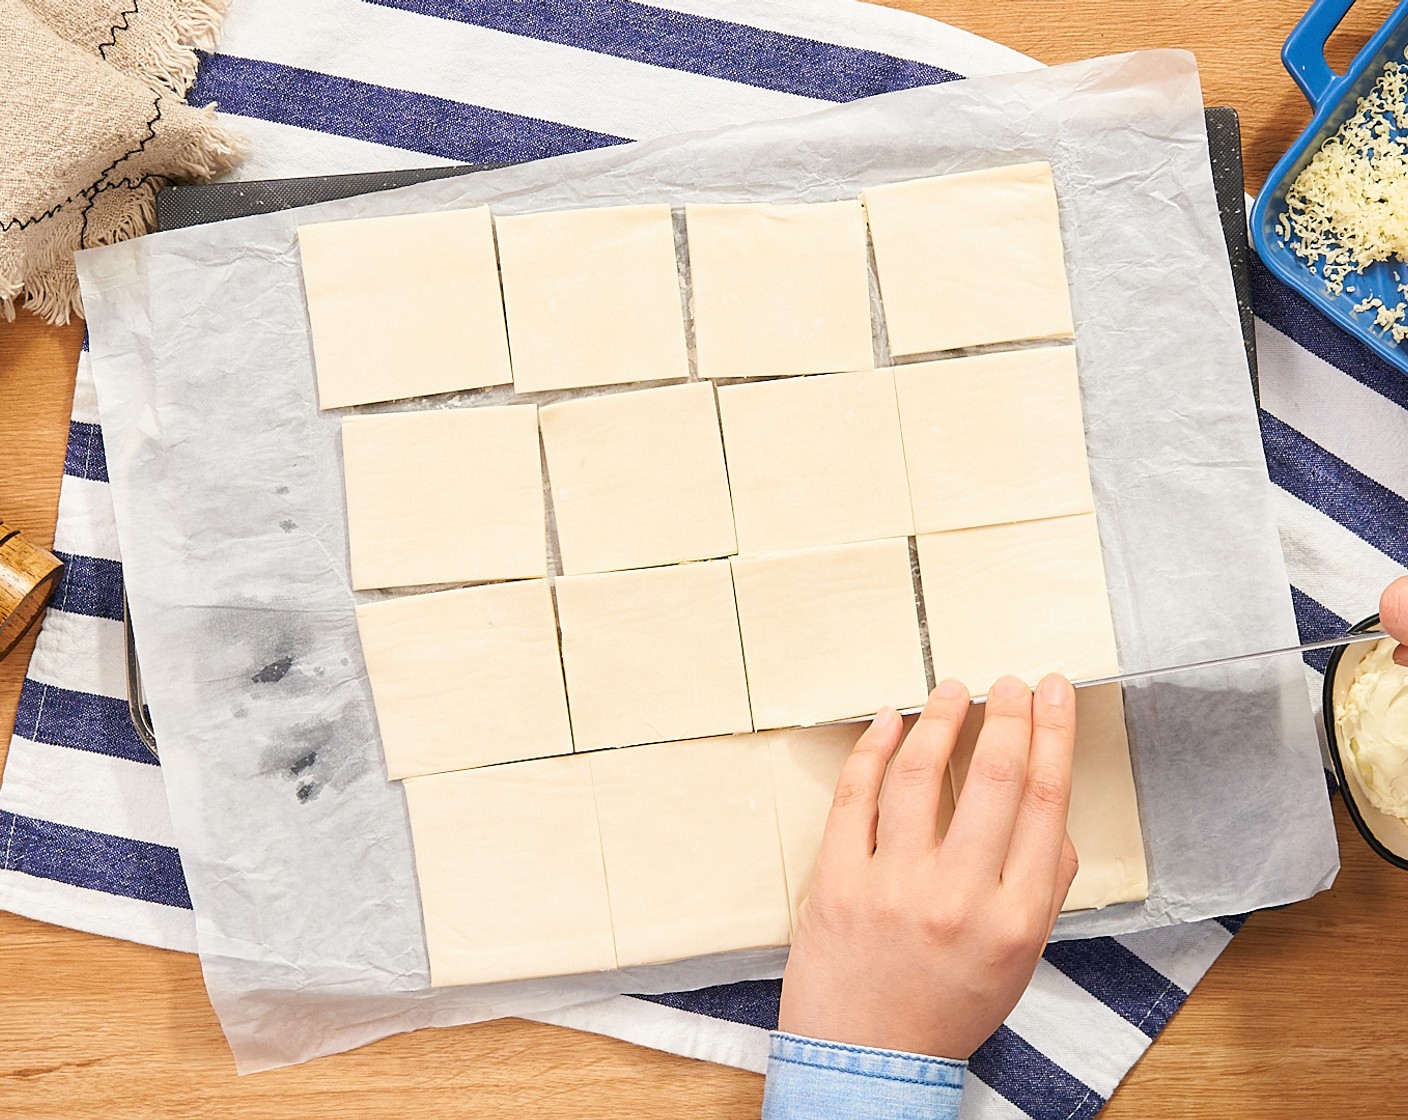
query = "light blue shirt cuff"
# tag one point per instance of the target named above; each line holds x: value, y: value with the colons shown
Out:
x: 809, y: 1079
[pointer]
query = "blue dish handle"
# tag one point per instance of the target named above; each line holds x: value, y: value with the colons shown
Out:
x: 1304, y: 52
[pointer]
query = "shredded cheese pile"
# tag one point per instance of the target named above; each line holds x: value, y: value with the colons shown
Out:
x: 1349, y: 208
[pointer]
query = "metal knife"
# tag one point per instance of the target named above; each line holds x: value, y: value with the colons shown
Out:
x: 1236, y: 659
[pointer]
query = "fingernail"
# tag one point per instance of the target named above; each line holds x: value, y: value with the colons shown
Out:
x: 885, y: 719
x: 1054, y: 689
x: 950, y: 689
x: 1006, y: 687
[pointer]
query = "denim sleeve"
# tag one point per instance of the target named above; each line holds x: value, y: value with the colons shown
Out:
x: 809, y: 1080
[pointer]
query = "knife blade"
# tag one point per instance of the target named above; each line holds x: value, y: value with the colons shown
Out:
x: 1212, y: 662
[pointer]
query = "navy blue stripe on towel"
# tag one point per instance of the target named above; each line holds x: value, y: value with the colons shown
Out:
x: 89, y: 585
x: 84, y: 456
x: 416, y: 122
x: 1302, y: 467
x: 714, y: 48
x: 95, y: 860
x: 753, y: 1003
x: 1017, y: 1070
x: 80, y: 720
x: 1123, y: 981
x: 1314, y: 623
x: 1299, y: 320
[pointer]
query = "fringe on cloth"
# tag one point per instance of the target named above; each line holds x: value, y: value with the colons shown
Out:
x: 85, y: 170
x: 154, y: 40
x: 113, y: 210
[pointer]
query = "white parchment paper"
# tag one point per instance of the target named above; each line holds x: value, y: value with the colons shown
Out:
x: 230, y: 512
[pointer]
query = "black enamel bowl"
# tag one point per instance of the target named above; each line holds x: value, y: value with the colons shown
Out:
x: 1387, y: 835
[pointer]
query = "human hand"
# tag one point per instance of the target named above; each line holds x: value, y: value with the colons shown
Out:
x: 1393, y: 613
x: 908, y: 942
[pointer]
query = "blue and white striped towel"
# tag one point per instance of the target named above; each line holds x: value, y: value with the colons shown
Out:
x: 330, y: 86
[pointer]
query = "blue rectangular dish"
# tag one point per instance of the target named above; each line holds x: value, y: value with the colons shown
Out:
x: 1333, y: 98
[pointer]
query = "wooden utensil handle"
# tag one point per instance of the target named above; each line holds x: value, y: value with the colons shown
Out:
x: 28, y: 576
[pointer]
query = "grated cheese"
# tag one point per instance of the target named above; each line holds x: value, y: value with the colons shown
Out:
x: 1349, y: 208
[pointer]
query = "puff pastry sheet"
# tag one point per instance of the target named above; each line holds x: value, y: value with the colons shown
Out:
x: 638, y: 479
x: 1026, y: 599
x: 779, y: 289
x: 652, y: 655
x: 511, y: 878
x: 592, y: 297
x: 970, y: 259
x: 690, y: 840
x: 815, y: 461
x: 829, y: 633
x: 464, y: 678
x: 993, y: 439
x: 444, y: 496
x: 404, y: 306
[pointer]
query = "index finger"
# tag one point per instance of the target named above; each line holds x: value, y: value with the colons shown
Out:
x: 849, y: 837
x: 914, y: 787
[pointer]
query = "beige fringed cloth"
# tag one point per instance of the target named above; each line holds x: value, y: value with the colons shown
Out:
x: 92, y: 125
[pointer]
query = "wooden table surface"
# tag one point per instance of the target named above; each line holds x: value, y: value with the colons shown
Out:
x: 1301, y: 1016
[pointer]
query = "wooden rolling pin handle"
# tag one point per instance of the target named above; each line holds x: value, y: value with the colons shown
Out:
x: 28, y: 576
